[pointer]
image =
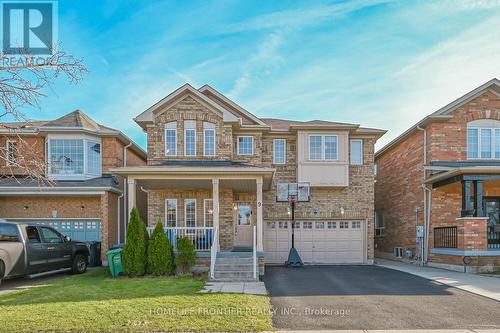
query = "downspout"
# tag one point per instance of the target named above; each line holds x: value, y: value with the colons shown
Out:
x: 427, y: 196
x: 118, y: 218
x: 125, y: 215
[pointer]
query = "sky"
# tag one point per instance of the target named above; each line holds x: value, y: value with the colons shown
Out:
x: 380, y: 63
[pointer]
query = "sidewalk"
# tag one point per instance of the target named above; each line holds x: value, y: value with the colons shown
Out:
x: 477, y: 284
x: 396, y: 331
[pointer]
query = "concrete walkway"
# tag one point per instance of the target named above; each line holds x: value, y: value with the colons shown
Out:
x: 477, y: 284
x: 251, y: 288
x: 395, y: 331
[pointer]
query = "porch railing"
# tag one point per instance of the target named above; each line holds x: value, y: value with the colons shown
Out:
x: 446, y: 237
x: 202, y: 237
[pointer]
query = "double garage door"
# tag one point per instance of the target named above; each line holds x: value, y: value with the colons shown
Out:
x: 79, y: 230
x: 318, y: 242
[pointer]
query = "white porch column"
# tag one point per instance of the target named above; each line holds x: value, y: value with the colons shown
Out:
x: 260, y: 223
x: 131, y: 195
x: 215, y: 203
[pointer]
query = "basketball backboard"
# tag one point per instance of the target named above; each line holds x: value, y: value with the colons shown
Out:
x: 287, y: 190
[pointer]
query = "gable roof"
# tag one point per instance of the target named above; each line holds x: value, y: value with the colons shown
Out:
x: 148, y: 115
x: 76, y: 121
x: 443, y: 114
x: 220, y: 98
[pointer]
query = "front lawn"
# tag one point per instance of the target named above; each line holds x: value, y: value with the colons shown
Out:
x: 94, y: 302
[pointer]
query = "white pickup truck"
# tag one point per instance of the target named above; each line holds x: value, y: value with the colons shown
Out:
x: 33, y: 250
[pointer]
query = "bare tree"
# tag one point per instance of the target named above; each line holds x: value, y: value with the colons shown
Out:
x: 24, y: 81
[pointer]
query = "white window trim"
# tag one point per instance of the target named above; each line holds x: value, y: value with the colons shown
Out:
x: 185, y: 132
x: 238, y: 144
x: 165, y: 143
x: 493, y: 146
x: 75, y: 176
x: 323, y: 146
x: 350, y: 148
x: 165, y: 224
x: 214, y: 140
x: 205, y: 211
x: 8, y: 162
x: 274, y: 151
x: 195, y: 213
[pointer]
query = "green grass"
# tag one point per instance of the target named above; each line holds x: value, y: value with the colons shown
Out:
x: 94, y: 302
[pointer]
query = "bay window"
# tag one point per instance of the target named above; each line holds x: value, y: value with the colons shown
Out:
x: 70, y: 158
x: 189, y: 138
x: 171, y: 139
x: 323, y: 147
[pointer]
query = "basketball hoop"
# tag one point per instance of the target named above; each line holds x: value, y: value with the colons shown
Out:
x: 292, y: 199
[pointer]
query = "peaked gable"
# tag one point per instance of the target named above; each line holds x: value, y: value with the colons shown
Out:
x: 76, y: 119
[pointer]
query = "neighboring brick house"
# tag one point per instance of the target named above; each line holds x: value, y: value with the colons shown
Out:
x: 76, y: 192
x: 442, y: 178
x: 212, y: 165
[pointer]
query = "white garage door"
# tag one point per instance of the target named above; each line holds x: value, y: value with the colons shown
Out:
x: 318, y: 242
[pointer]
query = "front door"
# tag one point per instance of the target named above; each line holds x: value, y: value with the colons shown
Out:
x: 492, y: 211
x: 243, y: 226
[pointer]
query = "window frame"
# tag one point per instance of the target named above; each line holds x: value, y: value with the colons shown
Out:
x: 494, y: 154
x: 176, y: 213
x: 195, y: 215
x: 238, y: 145
x: 205, y: 212
x: 169, y: 127
x: 71, y: 176
x: 205, y: 130
x: 8, y: 160
x: 274, y: 151
x: 323, y: 147
x: 360, y: 152
x: 186, y: 129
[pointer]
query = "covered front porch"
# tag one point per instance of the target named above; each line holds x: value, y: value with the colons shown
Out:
x: 216, y: 207
x: 465, y: 211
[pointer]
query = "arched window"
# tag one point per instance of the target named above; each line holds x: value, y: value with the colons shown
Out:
x: 483, y: 139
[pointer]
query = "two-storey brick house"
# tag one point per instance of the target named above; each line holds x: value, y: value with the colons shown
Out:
x: 58, y: 173
x: 438, y: 186
x: 213, y: 167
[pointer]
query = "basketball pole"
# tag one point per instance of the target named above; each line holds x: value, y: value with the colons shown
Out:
x: 294, y: 259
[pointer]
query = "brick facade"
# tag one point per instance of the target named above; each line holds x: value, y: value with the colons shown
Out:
x: 398, y: 190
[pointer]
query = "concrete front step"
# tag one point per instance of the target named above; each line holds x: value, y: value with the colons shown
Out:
x: 233, y: 267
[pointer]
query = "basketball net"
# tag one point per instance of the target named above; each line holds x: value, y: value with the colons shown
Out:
x: 292, y: 199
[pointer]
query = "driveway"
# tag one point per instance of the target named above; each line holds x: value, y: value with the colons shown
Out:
x: 15, y: 284
x: 371, y: 297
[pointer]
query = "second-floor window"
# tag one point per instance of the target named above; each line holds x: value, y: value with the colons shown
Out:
x: 245, y: 145
x: 208, y: 139
x: 189, y: 138
x: 11, y: 152
x: 483, y: 143
x: 74, y: 157
x: 279, y: 151
x: 171, y: 139
x: 357, y: 152
x: 323, y: 147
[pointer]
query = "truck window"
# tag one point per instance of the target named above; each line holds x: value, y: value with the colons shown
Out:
x: 50, y: 236
x: 33, y: 236
x: 9, y: 233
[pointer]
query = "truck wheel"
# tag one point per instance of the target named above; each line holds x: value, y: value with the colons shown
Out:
x: 2, y: 271
x: 79, y: 264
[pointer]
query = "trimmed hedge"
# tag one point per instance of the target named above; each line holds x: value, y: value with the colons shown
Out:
x: 160, y: 253
x: 186, y: 255
x: 134, y: 252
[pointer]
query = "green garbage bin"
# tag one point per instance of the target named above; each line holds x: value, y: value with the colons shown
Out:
x: 115, y: 262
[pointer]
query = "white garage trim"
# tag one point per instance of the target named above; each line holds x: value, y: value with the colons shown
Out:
x: 317, y: 241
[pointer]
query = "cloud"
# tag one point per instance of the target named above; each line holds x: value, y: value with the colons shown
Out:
x: 302, y: 16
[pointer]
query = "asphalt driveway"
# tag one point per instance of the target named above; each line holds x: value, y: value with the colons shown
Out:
x: 371, y: 297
